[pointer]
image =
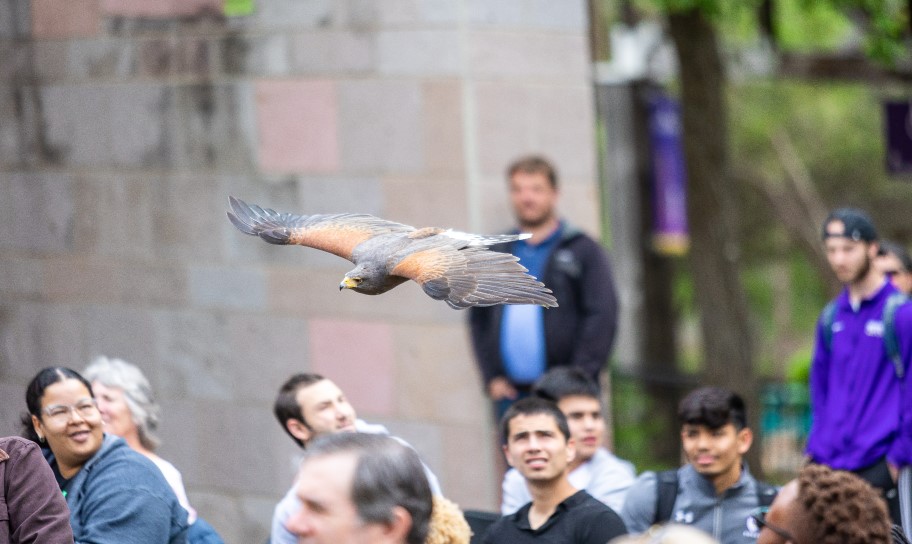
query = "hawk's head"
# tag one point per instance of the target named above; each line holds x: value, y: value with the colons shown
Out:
x: 369, y: 280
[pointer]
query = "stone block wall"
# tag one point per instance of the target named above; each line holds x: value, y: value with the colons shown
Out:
x: 125, y: 125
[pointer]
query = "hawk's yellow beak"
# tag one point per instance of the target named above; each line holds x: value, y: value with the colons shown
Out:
x: 348, y: 283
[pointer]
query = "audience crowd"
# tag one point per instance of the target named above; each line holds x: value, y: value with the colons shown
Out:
x: 86, y: 469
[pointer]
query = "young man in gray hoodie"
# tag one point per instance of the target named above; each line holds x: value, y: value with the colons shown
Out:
x: 714, y: 491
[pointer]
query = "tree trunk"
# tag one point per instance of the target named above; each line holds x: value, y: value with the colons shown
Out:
x: 713, y: 212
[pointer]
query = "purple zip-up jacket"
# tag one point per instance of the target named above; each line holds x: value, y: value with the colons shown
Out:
x: 861, y: 410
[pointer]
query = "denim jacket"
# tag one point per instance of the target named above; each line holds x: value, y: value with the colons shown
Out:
x: 120, y: 497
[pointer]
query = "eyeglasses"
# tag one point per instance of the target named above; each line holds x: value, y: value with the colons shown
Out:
x: 61, y: 413
x: 760, y: 517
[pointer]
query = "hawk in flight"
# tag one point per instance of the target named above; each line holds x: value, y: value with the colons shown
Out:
x: 452, y: 266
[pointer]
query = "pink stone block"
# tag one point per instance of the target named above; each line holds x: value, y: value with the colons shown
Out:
x: 297, y: 126
x: 160, y: 8
x: 358, y: 356
x: 53, y: 19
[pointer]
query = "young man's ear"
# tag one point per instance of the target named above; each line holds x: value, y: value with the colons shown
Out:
x: 745, y: 439
x: 299, y: 430
x: 506, y: 452
x: 571, y: 450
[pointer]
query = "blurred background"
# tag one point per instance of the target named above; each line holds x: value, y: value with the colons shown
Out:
x: 702, y: 140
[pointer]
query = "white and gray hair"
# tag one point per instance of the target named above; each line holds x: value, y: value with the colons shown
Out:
x: 137, y: 391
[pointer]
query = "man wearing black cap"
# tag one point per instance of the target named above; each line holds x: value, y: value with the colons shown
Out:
x: 860, y: 390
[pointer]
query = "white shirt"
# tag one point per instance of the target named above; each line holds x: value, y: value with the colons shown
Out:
x: 290, y: 503
x: 174, y: 479
x: 605, y: 476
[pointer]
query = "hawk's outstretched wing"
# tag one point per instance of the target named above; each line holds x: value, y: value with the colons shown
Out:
x: 338, y: 234
x: 450, y: 267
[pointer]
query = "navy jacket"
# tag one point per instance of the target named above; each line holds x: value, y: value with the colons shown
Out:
x: 580, y: 331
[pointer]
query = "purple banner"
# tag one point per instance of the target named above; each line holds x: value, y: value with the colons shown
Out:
x: 669, y: 178
x: 899, y: 137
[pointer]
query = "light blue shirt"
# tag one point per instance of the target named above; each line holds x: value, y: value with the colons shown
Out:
x: 522, y: 329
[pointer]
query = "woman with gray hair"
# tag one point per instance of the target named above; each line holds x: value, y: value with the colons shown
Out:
x: 128, y: 410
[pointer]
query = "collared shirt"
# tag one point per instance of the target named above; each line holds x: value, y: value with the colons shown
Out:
x: 860, y: 413
x: 725, y: 516
x: 579, y: 519
x: 605, y: 476
x: 522, y: 337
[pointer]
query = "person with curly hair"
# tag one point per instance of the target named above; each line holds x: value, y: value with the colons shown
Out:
x: 826, y: 506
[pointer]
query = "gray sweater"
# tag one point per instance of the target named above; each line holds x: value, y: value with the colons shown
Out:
x: 726, y: 517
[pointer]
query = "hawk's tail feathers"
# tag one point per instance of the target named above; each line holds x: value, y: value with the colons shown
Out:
x: 256, y: 221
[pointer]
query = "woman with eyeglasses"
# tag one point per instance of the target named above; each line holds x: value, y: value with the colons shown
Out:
x: 115, y: 495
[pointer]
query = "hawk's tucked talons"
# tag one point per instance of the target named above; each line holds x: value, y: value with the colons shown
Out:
x: 452, y: 266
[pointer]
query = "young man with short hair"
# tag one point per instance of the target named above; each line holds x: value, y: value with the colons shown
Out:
x: 860, y: 375
x: 308, y: 406
x: 594, y: 469
x: 516, y: 344
x: 538, y: 445
x: 714, y: 491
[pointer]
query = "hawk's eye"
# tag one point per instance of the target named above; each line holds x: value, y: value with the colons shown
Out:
x: 357, y: 280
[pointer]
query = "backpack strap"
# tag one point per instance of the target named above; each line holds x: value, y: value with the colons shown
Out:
x: 666, y: 495
x: 891, y: 342
x: 827, y: 317
x: 766, y: 493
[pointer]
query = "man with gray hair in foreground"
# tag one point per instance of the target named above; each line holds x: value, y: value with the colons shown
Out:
x: 357, y: 487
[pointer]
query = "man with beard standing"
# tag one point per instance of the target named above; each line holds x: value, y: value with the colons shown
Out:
x: 862, y: 420
x: 515, y: 345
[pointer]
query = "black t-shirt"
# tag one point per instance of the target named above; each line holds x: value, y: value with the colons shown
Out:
x: 580, y: 519
x: 62, y: 482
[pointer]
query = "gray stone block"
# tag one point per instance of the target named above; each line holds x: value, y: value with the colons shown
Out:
x: 227, y: 287
x: 232, y: 440
x: 36, y: 211
x: 50, y: 61
x: 107, y: 125
x: 98, y: 59
x: 114, y: 216
x: 189, y: 209
x: 17, y: 58
x: 503, y: 55
x: 12, y: 404
x: 320, y: 194
x: 332, y: 52
x: 264, y: 352
x: 10, y: 129
x: 380, y: 126
x: 210, y: 126
x: 403, y: 12
x: 36, y: 335
x: 22, y: 277
x: 297, y: 14
x: 446, y: 391
x: 121, y: 331
x: 254, y: 54
x: 192, y: 348
x: 15, y: 19
x: 419, y: 52
x: 566, y: 15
